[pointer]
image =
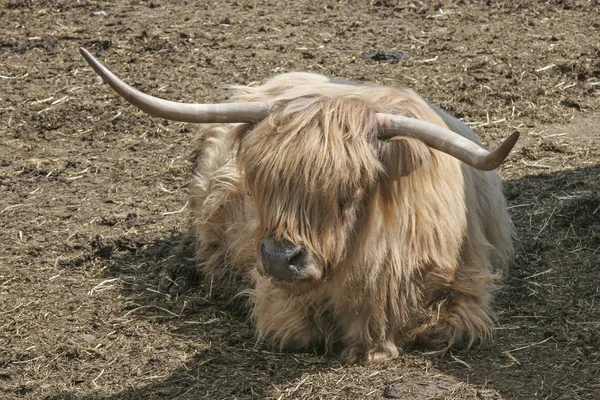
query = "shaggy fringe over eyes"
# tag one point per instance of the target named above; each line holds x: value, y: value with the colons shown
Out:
x: 308, y: 167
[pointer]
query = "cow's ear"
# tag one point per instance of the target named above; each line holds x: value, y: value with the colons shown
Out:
x: 402, y: 155
x: 242, y: 130
x: 237, y: 135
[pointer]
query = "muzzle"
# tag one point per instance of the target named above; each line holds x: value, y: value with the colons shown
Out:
x: 282, y: 261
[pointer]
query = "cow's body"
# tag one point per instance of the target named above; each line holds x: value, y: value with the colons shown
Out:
x: 412, y: 245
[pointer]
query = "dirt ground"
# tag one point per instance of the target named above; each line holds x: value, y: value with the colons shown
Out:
x: 93, y: 192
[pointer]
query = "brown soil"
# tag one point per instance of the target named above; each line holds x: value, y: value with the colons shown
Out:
x: 93, y: 192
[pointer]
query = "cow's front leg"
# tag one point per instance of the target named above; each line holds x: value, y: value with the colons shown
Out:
x: 370, y: 355
x: 367, y: 336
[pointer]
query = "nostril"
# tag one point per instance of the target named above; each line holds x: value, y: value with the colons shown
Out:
x: 297, y: 260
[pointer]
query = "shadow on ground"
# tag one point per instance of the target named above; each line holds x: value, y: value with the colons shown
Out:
x: 547, y: 343
x: 226, y: 362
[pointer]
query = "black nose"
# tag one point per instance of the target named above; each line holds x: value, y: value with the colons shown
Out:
x: 282, y: 260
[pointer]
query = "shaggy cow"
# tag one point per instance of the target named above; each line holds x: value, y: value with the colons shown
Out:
x: 352, y: 216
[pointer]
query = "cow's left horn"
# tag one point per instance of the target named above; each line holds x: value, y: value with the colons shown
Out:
x: 446, y: 141
x: 184, y: 112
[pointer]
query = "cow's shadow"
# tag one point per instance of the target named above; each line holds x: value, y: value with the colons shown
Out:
x: 553, y: 214
x: 547, y: 342
x: 161, y: 286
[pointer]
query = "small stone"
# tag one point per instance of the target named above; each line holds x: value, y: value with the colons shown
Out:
x: 390, y: 392
x: 385, y: 56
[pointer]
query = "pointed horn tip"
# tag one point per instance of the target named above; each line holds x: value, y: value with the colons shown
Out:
x: 89, y: 58
x: 84, y: 53
x: 497, y: 156
x: 506, y: 147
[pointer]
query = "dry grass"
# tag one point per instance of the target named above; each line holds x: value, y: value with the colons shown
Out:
x: 92, y: 194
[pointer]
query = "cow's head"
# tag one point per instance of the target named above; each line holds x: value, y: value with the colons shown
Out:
x: 309, y: 165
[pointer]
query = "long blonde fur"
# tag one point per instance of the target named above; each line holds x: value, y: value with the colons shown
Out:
x: 407, y: 244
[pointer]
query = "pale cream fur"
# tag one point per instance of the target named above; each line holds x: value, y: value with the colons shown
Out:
x: 406, y: 243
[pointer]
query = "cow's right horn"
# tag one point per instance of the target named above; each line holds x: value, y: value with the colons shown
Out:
x: 184, y: 112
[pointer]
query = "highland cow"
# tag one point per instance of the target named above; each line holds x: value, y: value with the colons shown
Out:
x: 358, y: 218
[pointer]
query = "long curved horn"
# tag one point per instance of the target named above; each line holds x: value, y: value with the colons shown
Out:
x: 433, y: 135
x: 446, y: 141
x: 184, y: 112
